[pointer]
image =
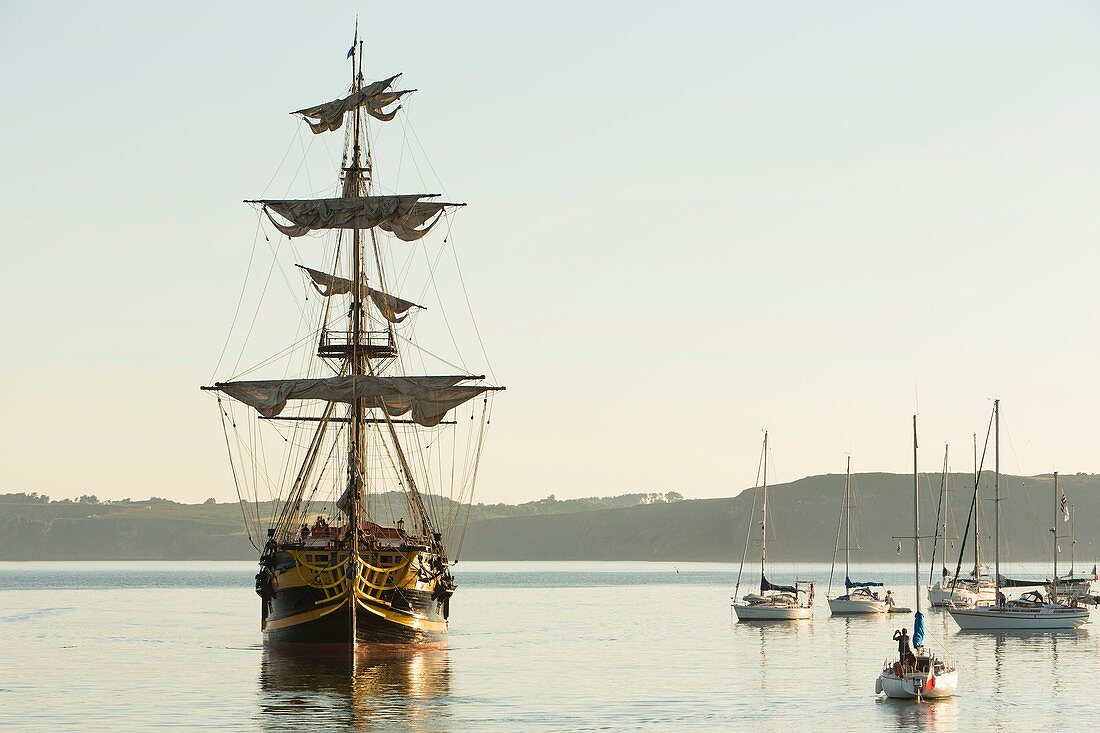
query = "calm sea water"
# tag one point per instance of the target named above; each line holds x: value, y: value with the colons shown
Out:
x: 542, y: 646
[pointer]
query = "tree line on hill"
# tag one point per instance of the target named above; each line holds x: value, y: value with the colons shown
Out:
x: 803, y: 518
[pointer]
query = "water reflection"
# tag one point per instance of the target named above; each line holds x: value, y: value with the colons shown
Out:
x: 776, y: 643
x: 299, y: 692
x: 931, y: 715
x: 1038, y: 647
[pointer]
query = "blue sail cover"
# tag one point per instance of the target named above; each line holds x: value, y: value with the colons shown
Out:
x: 849, y: 583
x: 766, y: 585
x: 918, y: 629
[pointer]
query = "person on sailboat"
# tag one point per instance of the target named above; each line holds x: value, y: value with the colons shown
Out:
x: 905, y: 653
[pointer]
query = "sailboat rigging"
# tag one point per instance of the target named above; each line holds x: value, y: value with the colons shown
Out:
x: 918, y: 672
x: 858, y: 598
x: 1070, y: 586
x: 1030, y: 611
x: 978, y: 586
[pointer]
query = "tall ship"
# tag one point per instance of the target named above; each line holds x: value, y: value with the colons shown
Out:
x: 357, y: 509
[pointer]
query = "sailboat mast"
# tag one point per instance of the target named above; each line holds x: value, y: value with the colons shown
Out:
x: 977, y: 552
x: 764, y: 517
x: 1072, y: 543
x: 997, y: 497
x: 945, y: 499
x: 356, y: 435
x: 1054, y: 537
x: 916, y: 517
x: 847, y: 521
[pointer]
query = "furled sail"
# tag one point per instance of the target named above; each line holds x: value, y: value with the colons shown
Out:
x: 392, y: 308
x: 765, y: 584
x: 918, y: 629
x: 426, y: 399
x: 1019, y: 583
x: 405, y: 216
x: 373, y: 97
x: 849, y: 584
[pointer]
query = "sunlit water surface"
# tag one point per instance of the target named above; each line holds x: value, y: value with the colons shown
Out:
x: 550, y: 646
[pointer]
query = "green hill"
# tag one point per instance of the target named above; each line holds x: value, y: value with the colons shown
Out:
x: 802, y: 524
x: 34, y: 528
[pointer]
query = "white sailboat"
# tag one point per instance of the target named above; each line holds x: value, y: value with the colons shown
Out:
x: 858, y: 597
x: 1031, y: 612
x: 919, y: 674
x: 1071, y: 585
x: 773, y: 602
x: 979, y: 586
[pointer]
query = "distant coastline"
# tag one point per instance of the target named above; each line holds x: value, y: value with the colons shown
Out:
x: 640, y: 526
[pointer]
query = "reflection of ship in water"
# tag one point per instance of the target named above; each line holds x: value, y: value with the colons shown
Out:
x: 410, y: 690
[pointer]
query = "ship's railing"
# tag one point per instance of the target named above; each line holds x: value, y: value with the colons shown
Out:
x: 374, y: 344
x: 371, y: 581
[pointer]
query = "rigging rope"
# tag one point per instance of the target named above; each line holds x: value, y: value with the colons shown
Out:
x: 748, y: 532
x: 973, y: 513
x: 477, y: 463
x: 233, y: 470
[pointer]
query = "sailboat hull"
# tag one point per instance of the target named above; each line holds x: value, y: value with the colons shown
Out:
x: 942, y: 596
x: 909, y: 686
x: 767, y: 612
x: 996, y: 618
x: 857, y: 606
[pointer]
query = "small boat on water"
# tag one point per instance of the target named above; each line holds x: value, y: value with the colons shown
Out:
x: 339, y: 564
x: 859, y: 596
x: 773, y: 602
x: 1072, y: 585
x: 1031, y: 612
x: 964, y: 592
x: 978, y: 585
x: 917, y: 673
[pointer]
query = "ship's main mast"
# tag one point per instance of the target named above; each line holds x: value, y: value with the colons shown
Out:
x: 353, y: 186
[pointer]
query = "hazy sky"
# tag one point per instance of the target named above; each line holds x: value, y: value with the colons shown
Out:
x: 687, y: 222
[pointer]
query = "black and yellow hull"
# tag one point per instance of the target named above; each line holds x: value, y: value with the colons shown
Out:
x: 400, y: 603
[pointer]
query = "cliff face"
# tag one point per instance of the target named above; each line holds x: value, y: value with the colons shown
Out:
x: 802, y: 524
